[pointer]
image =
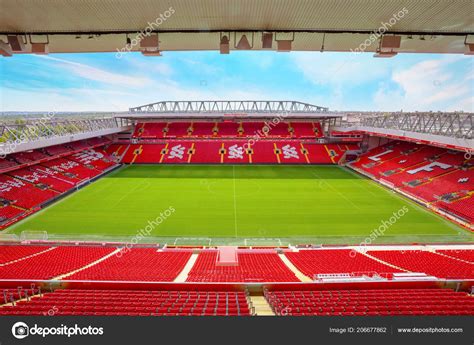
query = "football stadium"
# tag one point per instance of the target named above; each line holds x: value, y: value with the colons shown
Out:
x: 236, y: 207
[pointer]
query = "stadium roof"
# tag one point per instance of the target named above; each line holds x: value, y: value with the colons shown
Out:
x: 330, y: 25
x: 219, y: 109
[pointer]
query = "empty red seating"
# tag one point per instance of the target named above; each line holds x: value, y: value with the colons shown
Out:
x: 29, y: 156
x: 321, y: 154
x: 151, y: 153
x: 228, y: 129
x: 150, y: 130
x: 138, y: 264
x: 212, y: 151
x: 318, y: 129
x: 178, y: 152
x: 231, y: 151
x: 430, y: 263
x: 11, y: 295
x: 264, y: 152
x: 22, y: 193
x: 204, y: 129
x: 72, y: 169
x: 463, y: 207
x: 40, y: 178
x: 425, y: 172
x: 12, y: 253
x: 252, y: 267
x: 117, y: 150
x: 6, y: 164
x: 462, y: 254
x: 97, y: 158
x: 78, y: 145
x: 50, y: 178
x: 305, y: 130
x: 235, y: 152
x: 57, y: 150
x: 280, y: 129
x: 451, y: 182
x: 178, y: 129
x: 133, y: 303
x: 9, y: 212
x: 40, y: 181
x: 374, y: 302
x: 53, y: 263
x: 334, y: 261
x: 98, y: 141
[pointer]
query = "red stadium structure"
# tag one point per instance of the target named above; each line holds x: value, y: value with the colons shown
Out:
x: 104, y: 278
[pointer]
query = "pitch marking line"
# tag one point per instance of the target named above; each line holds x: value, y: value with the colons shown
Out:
x: 263, y: 239
x: 335, y: 190
x: 193, y: 239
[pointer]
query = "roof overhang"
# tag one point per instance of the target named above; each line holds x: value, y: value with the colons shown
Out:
x: 429, y: 26
x: 219, y: 116
x: 460, y: 144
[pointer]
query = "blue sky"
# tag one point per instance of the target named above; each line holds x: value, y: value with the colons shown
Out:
x: 340, y: 81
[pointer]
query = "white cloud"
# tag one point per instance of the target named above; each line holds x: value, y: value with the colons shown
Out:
x: 427, y: 85
x: 339, y: 69
x: 97, y: 74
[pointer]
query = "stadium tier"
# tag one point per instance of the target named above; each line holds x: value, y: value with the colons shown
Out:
x: 280, y: 185
x: 13, y: 253
x: 439, y: 177
x: 373, y: 285
x: 252, y: 267
x: 227, y: 129
x: 314, y: 262
x: 52, y: 262
x: 423, y: 261
x: 138, y: 264
x: 109, y: 263
x: 466, y: 255
x: 37, y: 177
x: 231, y: 152
x: 133, y: 303
x: 375, y: 302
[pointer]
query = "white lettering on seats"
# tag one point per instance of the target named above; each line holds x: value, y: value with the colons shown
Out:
x: 429, y: 167
x: 376, y: 158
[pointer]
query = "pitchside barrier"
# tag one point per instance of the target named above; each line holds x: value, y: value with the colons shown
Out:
x: 34, y: 235
x: 308, y: 242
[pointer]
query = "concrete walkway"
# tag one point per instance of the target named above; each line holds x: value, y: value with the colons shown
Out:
x: 183, y: 275
x: 293, y: 268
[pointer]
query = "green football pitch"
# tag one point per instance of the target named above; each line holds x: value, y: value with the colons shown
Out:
x: 247, y: 205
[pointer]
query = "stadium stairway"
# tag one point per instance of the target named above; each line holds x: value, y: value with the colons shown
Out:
x: 183, y: 275
x: 261, y: 306
x: 293, y: 268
